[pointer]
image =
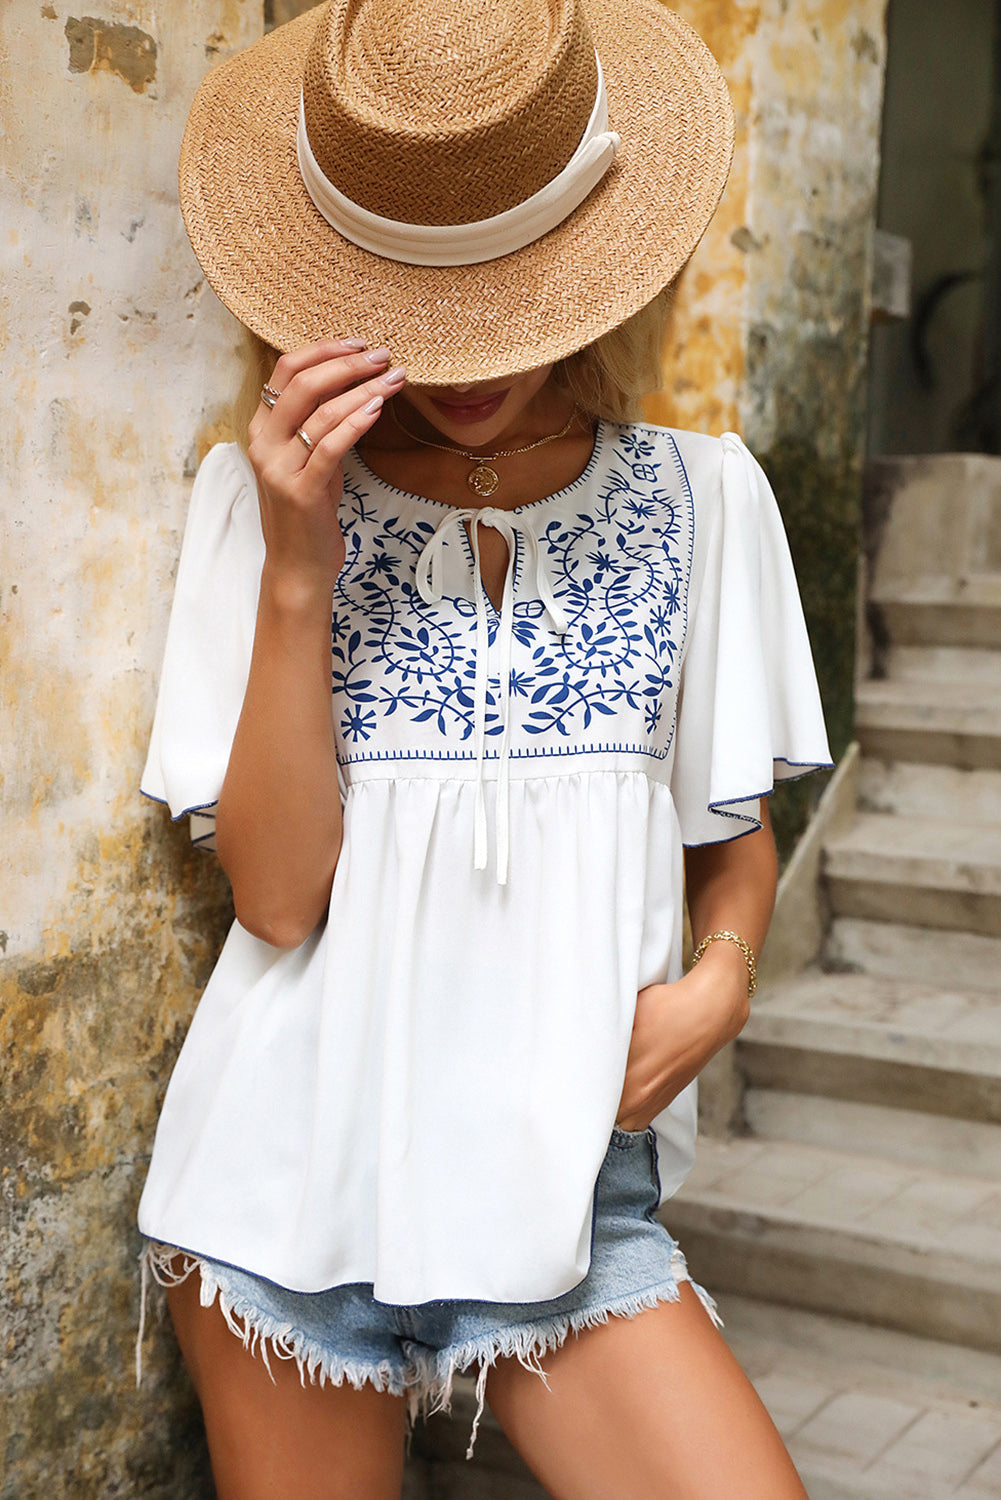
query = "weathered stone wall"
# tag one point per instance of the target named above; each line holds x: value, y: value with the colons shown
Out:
x: 116, y: 363
x: 115, y: 357
x: 771, y: 328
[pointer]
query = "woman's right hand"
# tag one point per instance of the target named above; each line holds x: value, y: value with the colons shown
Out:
x: 333, y: 390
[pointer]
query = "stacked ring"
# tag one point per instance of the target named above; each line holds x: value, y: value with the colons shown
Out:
x: 269, y: 395
x: 305, y: 439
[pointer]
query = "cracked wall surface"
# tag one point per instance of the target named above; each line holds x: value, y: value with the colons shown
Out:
x: 771, y: 327
x: 118, y: 364
x: 116, y: 358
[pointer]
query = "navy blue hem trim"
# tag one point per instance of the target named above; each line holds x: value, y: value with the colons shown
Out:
x: 200, y: 807
x: 532, y: 753
x: 720, y: 809
x: 808, y: 768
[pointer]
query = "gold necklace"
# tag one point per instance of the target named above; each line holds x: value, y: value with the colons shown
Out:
x: 482, y: 479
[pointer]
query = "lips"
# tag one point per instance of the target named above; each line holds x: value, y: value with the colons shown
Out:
x: 468, y: 412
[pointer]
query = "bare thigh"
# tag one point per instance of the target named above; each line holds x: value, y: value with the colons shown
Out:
x: 655, y: 1405
x: 281, y: 1440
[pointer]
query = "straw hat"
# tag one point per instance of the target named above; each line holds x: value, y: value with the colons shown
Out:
x: 580, y: 145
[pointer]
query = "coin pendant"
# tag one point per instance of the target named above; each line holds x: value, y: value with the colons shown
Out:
x: 482, y: 480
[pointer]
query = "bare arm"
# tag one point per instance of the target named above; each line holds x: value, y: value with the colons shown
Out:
x: 679, y: 1027
x: 731, y: 887
x: 278, y: 821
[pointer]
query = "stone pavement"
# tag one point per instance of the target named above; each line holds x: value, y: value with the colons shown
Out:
x: 869, y: 1413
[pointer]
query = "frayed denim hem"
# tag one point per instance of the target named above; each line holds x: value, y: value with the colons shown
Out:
x: 429, y: 1379
x: 260, y: 1333
x: 529, y: 1342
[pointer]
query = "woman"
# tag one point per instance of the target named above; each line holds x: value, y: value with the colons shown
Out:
x: 443, y: 1073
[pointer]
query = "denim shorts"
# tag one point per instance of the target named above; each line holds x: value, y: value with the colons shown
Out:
x: 345, y: 1334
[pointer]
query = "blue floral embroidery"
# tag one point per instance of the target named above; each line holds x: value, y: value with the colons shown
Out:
x: 360, y: 722
x: 619, y: 568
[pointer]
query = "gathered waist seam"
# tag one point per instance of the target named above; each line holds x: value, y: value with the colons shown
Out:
x: 405, y: 768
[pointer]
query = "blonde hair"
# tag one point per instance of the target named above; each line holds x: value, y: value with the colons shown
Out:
x: 608, y: 378
x: 258, y: 365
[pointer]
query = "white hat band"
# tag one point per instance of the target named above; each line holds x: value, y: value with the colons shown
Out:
x: 467, y: 244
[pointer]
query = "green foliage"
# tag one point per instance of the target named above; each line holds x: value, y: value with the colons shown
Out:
x: 820, y: 503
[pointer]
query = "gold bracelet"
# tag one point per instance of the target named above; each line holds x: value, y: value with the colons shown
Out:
x: 745, y: 948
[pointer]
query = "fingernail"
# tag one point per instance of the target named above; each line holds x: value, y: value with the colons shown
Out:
x: 357, y: 344
x: 378, y: 356
x: 373, y: 405
x: 395, y: 377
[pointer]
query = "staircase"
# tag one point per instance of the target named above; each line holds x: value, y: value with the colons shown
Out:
x: 858, y: 1220
x: 852, y: 1233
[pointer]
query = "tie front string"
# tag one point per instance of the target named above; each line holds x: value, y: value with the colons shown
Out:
x: 430, y: 587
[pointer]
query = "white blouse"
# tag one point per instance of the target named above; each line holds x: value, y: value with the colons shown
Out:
x: 421, y: 1095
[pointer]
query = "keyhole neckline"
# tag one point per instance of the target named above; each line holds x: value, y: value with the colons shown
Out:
x: 471, y: 559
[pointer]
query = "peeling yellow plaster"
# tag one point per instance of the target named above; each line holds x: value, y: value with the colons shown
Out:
x: 818, y: 67
x: 222, y: 430
x: 783, y: 265
x: 705, y: 348
x: 91, y: 1019
x: 52, y: 755
x: 97, y: 46
x: 232, y: 17
x: 97, y: 461
x: 803, y: 62
x: 111, y: 919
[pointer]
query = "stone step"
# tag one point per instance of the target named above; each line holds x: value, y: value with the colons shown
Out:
x: 929, y: 791
x: 859, y: 1409
x: 943, y: 1142
x: 928, y: 955
x: 933, y: 514
x: 944, y: 664
x: 848, y: 1233
x: 964, y: 612
x: 952, y: 723
x: 907, y: 1136
x: 923, y: 871
x: 878, y: 1041
x: 872, y: 1414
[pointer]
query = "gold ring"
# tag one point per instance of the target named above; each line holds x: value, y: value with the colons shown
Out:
x: 269, y: 395
x: 305, y: 439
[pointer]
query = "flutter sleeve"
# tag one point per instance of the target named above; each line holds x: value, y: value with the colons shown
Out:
x: 210, y: 637
x: 749, y: 712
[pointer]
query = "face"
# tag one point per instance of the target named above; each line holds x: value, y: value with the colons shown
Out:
x: 480, y: 411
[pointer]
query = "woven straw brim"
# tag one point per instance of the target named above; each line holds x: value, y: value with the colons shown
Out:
x: 275, y: 262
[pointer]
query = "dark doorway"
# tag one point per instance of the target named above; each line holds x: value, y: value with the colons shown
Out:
x: 935, y: 376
